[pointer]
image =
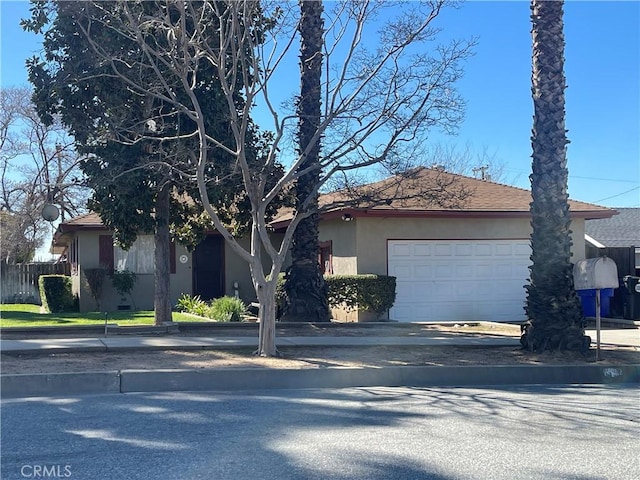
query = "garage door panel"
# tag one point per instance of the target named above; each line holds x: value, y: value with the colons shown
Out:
x: 505, y: 271
x: 443, y: 272
x: 463, y: 250
x: 483, y: 250
x: 400, y: 271
x: 422, y: 250
x: 459, y: 280
x: 482, y: 271
x: 522, y: 249
x: 443, y: 249
x: 483, y: 290
x: 460, y: 270
x: 400, y: 250
x: 422, y: 271
x: 503, y: 249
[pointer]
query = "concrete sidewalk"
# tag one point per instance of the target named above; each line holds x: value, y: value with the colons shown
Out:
x: 239, y: 379
x: 620, y: 337
x: 106, y: 344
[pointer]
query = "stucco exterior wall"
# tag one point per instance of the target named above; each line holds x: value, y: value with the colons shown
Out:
x: 143, y: 291
x: 236, y: 269
x: 343, y: 245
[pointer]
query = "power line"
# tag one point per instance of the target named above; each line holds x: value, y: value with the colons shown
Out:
x: 578, y: 176
x: 618, y: 195
x: 603, y: 179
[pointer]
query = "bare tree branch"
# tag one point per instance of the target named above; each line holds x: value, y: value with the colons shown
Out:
x: 38, y: 165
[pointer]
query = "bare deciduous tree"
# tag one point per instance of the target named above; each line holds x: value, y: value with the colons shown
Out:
x: 379, y: 99
x: 38, y: 166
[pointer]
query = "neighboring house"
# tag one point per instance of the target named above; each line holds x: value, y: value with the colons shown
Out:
x: 461, y: 264
x: 619, y: 231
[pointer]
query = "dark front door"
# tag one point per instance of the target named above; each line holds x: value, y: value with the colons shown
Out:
x: 208, y: 268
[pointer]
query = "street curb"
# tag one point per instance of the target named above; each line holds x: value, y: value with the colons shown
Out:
x: 138, y: 381
x: 58, y: 384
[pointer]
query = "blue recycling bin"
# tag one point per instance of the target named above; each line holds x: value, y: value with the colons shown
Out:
x: 588, y: 300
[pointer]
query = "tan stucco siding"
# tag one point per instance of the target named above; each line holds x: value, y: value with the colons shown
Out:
x: 182, y: 280
x: 343, y: 245
x: 143, y: 292
x: 237, y: 269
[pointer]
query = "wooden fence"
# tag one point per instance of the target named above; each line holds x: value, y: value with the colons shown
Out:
x: 625, y: 257
x: 19, y: 283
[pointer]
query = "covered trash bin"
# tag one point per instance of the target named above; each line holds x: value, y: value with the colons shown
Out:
x: 631, y: 297
x: 588, y: 301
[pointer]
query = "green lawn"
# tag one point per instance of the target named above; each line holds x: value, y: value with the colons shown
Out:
x: 23, y: 315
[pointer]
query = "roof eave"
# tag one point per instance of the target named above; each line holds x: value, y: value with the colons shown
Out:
x: 406, y: 213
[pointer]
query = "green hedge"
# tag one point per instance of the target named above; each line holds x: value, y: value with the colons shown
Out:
x: 375, y: 293
x: 56, y: 295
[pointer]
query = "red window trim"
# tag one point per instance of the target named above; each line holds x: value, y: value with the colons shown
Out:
x: 328, y: 261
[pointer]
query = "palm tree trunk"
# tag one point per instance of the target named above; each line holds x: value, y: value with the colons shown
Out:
x: 553, y: 308
x: 306, y: 294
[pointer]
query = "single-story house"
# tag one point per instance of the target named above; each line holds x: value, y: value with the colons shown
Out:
x: 468, y: 262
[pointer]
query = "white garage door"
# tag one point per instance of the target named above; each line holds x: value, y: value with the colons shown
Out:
x: 459, y: 280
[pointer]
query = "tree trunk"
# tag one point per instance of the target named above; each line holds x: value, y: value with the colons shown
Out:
x: 267, y: 317
x: 553, y: 308
x: 161, y: 301
x: 306, y: 293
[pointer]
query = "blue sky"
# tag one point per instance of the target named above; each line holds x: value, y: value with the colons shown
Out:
x: 602, y: 100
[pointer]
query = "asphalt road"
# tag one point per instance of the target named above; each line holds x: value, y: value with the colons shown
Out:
x: 542, y: 432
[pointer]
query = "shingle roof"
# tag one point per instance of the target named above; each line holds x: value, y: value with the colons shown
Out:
x: 87, y: 221
x: 482, y: 195
x: 622, y: 230
x: 483, y: 198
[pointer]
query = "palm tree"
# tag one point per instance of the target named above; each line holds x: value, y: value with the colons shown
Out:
x: 553, y: 308
x: 306, y: 296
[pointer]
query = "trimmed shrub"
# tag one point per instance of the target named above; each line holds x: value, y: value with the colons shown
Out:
x: 375, y: 293
x: 56, y: 294
x: 227, y: 309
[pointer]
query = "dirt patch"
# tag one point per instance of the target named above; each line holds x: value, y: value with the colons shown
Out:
x: 322, y: 357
